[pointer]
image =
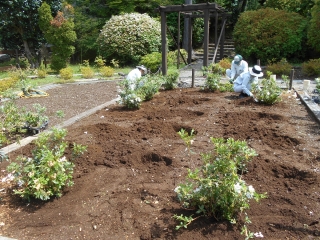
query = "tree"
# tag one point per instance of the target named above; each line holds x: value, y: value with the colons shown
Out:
x: 19, y: 26
x: 59, y: 32
x: 272, y: 35
x: 314, y: 27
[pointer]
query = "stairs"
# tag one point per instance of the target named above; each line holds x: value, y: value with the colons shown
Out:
x: 229, y: 51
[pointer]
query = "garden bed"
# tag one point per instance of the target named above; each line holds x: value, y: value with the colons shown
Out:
x: 124, y: 183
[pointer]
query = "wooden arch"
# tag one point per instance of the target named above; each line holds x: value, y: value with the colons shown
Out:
x: 203, y: 10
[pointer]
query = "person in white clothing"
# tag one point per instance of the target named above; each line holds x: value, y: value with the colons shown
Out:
x: 238, y: 66
x: 134, y: 75
x: 242, y: 84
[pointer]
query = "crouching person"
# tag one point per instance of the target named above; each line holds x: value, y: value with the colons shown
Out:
x: 244, y: 81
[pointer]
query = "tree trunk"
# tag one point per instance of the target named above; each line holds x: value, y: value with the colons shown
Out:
x: 31, y: 58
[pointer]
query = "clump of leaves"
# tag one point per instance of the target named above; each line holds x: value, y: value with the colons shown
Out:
x: 47, y: 171
x: 170, y: 81
x: 106, y: 71
x: 100, y: 62
x: 279, y: 68
x: 269, y: 93
x: 212, y: 82
x: 217, y: 189
x: 66, y: 73
x: 311, y: 68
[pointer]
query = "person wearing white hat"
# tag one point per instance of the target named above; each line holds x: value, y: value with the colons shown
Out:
x: 243, y: 82
x: 238, y: 66
x: 134, y: 75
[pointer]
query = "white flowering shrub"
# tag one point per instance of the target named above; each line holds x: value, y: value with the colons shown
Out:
x: 128, y: 37
x: 269, y: 93
x: 48, y: 171
x: 217, y: 188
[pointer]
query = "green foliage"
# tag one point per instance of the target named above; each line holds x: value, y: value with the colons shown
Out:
x: 212, y: 82
x: 298, y: 6
x: 42, y: 73
x: 311, y: 68
x: 87, y: 72
x: 47, y: 171
x: 100, y: 62
x: 279, y: 68
x: 106, y: 71
x: 149, y: 86
x: 128, y: 37
x: 7, y: 83
x: 66, y: 73
x: 269, y: 93
x: 314, y: 26
x: 170, y: 80
x: 58, y: 31
x: 224, y: 63
x: 14, y: 120
x: 318, y: 84
x: 152, y: 60
x: 217, y: 189
x: 19, y: 27
x: 275, y: 34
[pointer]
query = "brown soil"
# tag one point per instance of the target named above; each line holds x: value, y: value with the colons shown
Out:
x: 124, y: 183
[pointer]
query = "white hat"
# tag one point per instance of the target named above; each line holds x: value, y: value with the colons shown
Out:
x: 143, y: 68
x: 256, y: 71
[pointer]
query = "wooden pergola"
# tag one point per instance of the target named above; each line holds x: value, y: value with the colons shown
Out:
x: 201, y: 10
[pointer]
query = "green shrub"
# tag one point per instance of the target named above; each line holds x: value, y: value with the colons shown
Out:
x: 225, y: 63
x: 274, y: 34
x: 152, y: 60
x: 42, y: 73
x: 150, y: 85
x: 7, y: 83
x: 217, y: 189
x: 87, y: 72
x: 212, y: 82
x: 313, y: 29
x: 106, y: 71
x: 173, y: 56
x: 128, y: 37
x: 47, y: 171
x: 170, y: 80
x: 279, y: 68
x: 311, y: 68
x: 100, y: 62
x: 66, y: 73
x: 269, y: 93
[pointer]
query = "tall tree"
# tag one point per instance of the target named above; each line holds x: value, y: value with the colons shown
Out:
x: 19, y: 26
x: 314, y: 27
x: 58, y: 31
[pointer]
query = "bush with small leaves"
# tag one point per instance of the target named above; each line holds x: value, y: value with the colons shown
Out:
x: 87, y: 72
x: 217, y: 188
x: 47, y: 171
x: 269, y: 93
x: 128, y: 37
x: 106, y: 71
x: 279, y: 68
x: 66, y: 73
x: 311, y: 68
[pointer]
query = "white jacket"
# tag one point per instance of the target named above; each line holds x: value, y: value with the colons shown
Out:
x: 243, y: 83
x: 236, y: 69
x: 133, y: 77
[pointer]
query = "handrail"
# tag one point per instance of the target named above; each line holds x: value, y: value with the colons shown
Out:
x: 218, y: 43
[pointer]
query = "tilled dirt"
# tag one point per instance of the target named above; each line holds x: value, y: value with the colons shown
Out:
x: 124, y: 183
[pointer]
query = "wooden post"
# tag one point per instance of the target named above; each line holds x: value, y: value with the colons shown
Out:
x: 164, y: 43
x: 291, y: 78
x: 178, y: 57
x: 190, y: 41
x: 206, y: 38
x: 192, y: 84
x: 258, y: 62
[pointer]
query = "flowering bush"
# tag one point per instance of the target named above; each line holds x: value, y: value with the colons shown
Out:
x: 269, y: 93
x: 47, y: 172
x: 127, y: 37
x: 216, y: 189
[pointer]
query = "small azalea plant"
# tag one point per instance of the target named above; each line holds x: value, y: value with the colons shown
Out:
x: 217, y: 189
